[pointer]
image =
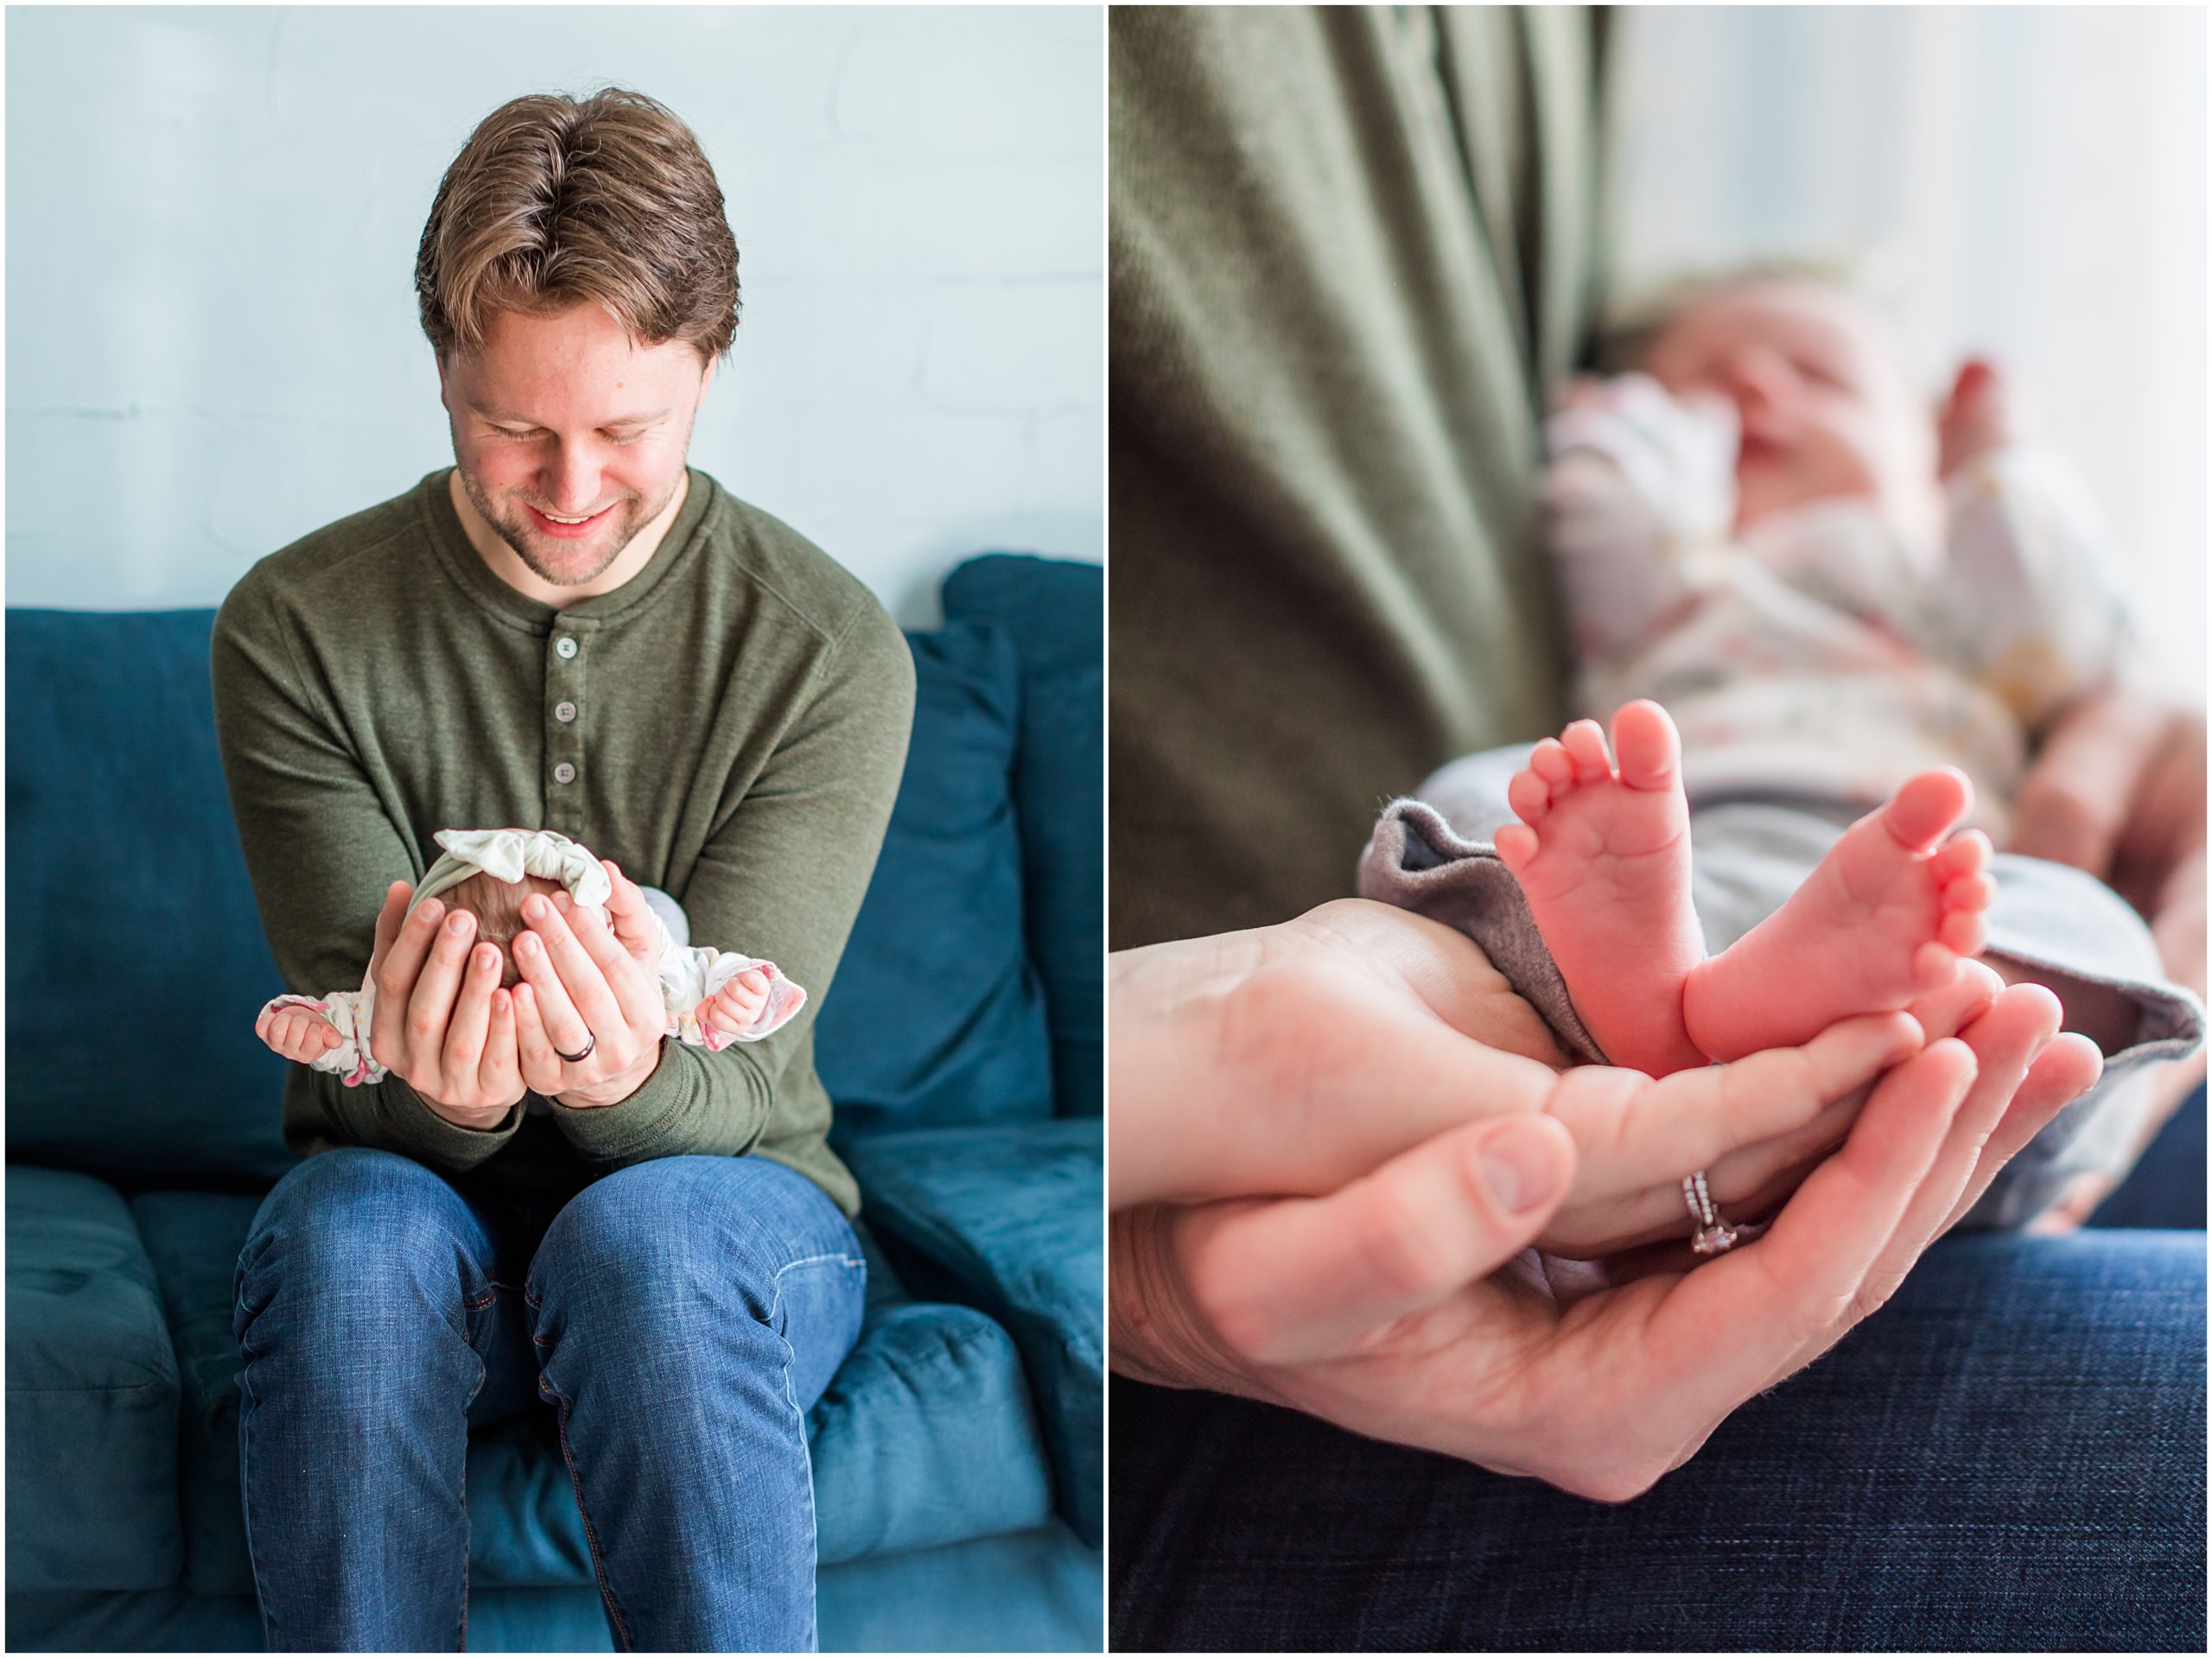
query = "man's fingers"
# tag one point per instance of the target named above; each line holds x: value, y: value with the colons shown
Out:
x: 463, y: 1052
x: 534, y: 1057
x: 565, y: 1028
x: 627, y: 912
x: 1733, y: 1324
x: 498, y: 1072
x: 582, y: 968
x: 2075, y: 801
x: 1692, y: 1119
x: 389, y: 916
x: 429, y: 1008
x: 1292, y: 1280
x: 397, y: 979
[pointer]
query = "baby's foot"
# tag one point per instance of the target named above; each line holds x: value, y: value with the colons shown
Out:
x: 1885, y: 916
x: 1604, y: 858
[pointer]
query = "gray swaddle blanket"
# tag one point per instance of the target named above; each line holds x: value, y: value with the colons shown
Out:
x: 1433, y: 855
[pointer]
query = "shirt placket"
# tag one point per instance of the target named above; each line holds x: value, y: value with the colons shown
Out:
x: 567, y: 666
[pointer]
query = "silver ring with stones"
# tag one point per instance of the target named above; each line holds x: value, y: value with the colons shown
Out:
x: 590, y: 1042
x: 1713, y: 1237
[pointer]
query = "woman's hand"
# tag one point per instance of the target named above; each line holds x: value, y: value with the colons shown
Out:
x: 585, y: 993
x: 1396, y: 1295
x: 442, y: 1024
x: 1289, y: 1060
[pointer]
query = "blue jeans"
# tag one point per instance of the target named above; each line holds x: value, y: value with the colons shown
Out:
x: 2010, y: 1456
x: 679, y: 1317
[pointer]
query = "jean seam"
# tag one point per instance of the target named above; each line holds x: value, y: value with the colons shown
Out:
x: 245, y: 1506
x: 576, y: 1479
x: 576, y: 1483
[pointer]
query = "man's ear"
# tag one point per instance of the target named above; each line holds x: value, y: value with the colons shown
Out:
x: 708, y: 379
x: 444, y: 400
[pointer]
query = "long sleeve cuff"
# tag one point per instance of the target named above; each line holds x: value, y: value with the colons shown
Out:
x: 695, y: 1101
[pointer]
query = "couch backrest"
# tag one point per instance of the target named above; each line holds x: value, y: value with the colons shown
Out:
x: 135, y: 959
x: 1054, y: 610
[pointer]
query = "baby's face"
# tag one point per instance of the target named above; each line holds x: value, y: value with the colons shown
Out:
x: 1821, y: 390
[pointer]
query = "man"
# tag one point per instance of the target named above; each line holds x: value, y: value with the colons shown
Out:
x: 567, y: 630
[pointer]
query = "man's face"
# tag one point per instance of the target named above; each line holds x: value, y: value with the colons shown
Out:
x: 1825, y: 405
x: 570, y: 439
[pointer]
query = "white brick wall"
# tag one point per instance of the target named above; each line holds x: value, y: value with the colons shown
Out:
x: 212, y: 217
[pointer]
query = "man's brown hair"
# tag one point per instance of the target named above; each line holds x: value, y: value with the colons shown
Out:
x: 556, y: 200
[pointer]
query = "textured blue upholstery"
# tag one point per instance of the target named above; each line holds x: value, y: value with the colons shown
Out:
x: 92, y: 1394
x: 1011, y: 1221
x: 125, y: 879
x: 937, y: 1015
x: 1056, y: 613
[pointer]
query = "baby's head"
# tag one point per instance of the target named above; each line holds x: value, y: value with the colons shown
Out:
x: 497, y: 905
x: 1823, y: 389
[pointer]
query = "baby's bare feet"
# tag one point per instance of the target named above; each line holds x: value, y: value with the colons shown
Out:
x: 1885, y: 916
x: 1604, y: 858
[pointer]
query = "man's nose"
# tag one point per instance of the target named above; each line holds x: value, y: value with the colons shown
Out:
x: 572, y: 481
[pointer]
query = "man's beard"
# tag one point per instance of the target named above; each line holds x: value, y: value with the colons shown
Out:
x: 519, y: 535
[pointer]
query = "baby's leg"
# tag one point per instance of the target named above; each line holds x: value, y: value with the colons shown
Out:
x: 1885, y: 916
x: 1604, y: 860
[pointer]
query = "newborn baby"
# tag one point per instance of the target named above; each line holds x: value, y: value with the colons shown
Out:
x: 1843, y: 602
x: 713, y: 997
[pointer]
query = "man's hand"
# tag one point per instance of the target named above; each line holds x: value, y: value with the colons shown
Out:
x: 442, y: 1022
x: 1377, y: 1182
x: 2118, y: 789
x: 584, y: 989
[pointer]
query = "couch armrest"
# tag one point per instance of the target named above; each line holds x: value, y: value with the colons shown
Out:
x: 1006, y: 1218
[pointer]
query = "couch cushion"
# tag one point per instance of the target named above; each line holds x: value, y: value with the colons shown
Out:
x: 937, y: 1015
x: 126, y: 888
x: 1055, y: 611
x: 1008, y: 1220
x: 92, y: 1394
x: 925, y: 1436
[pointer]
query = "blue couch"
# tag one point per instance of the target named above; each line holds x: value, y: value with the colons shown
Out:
x: 956, y: 1454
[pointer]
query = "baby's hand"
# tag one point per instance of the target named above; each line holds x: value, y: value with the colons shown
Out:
x: 738, y: 1005
x: 1977, y: 419
x: 300, y: 1034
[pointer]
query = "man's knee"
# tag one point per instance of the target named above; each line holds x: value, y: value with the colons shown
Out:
x: 353, y: 1235
x: 660, y: 1236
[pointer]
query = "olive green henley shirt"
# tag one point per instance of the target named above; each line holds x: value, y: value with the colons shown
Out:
x: 1351, y: 252
x: 729, y: 725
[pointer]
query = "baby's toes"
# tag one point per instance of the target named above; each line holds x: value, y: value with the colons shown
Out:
x: 1529, y: 796
x: 1965, y: 854
x: 1549, y: 761
x: 1517, y: 846
x: 1585, y: 743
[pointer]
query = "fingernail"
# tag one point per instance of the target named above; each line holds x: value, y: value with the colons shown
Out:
x: 1519, y: 1169
x: 534, y: 908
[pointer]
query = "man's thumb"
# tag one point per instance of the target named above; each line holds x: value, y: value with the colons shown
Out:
x: 1291, y: 1279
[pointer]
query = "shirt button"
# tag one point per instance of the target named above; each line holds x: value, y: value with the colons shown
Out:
x: 564, y: 712
x: 565, y: 648
x: 564, y: 772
